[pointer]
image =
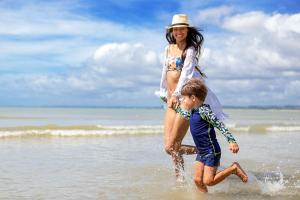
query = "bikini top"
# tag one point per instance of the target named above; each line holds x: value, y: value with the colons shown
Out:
x: 174, y: 63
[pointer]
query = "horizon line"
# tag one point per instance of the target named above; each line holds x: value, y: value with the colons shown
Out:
x: 145, y: 107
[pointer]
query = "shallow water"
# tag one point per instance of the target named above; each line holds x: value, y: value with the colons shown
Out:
x: 76, y: 158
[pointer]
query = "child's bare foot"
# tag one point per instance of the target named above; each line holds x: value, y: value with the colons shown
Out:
x: 240, y: 172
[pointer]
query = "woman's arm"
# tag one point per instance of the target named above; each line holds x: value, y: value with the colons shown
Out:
x: 163, y: 81
x: 187, y: 70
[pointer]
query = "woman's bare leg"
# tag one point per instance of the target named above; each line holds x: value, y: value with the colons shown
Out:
x: 175, y: 129
x: 169, y: 144
x: 179, y: 130
x: 181, y: 126
x: 168, y: 125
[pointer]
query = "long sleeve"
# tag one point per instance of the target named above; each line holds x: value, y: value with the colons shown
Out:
x: 207, y: 114
x: 187, y: 70
x: 163, y: 81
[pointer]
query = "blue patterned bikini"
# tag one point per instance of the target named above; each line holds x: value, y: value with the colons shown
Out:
x: 178, y: 65
x: 170, y: 67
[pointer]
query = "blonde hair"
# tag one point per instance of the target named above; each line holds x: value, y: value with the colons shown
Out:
x: 195, y: 87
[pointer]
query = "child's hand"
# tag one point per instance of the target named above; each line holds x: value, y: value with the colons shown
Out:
x: 234, y: 147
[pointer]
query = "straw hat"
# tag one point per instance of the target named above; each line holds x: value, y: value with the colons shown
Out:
x: 179, y: 20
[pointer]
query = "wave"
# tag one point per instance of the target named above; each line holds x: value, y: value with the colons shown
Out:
x: 264, y: 128
x: 100, y: 130
x: 65, y: 131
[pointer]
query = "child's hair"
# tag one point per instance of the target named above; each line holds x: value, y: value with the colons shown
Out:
x: 194, y: 87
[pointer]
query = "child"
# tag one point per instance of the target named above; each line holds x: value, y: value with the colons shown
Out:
x: 202, y: 123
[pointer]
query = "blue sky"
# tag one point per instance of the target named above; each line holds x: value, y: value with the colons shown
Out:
x: 109, y: 52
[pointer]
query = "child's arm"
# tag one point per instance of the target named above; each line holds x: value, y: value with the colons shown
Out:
x: 207, y: 114
x: 180, y: 109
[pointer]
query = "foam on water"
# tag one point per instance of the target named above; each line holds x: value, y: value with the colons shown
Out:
x: 100, y: 130
x: 264, y: 127
x: 65, y: 131
x: 283, y: 128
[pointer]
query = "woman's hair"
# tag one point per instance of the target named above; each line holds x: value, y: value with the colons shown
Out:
x: 194, y: 87
x: 194, y: 39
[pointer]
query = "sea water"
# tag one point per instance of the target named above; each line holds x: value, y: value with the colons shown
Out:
x: 97, y: 153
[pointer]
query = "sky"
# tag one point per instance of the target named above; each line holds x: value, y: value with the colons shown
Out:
x: 109, y: 53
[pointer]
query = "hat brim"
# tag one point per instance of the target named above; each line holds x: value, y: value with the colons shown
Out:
x: 177, y: 26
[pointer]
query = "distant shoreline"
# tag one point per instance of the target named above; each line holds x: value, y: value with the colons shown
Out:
x: 151, y: 107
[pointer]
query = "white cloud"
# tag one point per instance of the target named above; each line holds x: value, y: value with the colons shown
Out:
x: 50, y: 22
x: 116, y: 72
x: 58, y: 18
x: 250, y: 22
x: 35, y: 36
x: 57, y: 33
x: 281, y: 25
x: 254, y: 51
x: 126, y: 59
x: 213, y: 15
x: 293, y: 89
x: 127, y: 68
x: 255, y: 61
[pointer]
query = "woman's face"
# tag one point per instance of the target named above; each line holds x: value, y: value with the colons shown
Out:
x: 180, y: 33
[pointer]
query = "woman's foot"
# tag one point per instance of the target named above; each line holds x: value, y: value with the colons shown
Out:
x: 180, y: 178
x: 179, y: 172
x: 240, y: 172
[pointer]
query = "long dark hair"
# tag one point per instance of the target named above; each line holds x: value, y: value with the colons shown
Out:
x: 194, y: 39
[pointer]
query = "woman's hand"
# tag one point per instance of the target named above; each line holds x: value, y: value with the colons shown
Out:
x: 164, y: 99
x: 173, y: 102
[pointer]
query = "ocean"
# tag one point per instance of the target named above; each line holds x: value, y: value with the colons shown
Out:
x: 114, y: 153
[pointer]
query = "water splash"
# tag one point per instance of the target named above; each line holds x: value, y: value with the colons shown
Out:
x: 271, y: 183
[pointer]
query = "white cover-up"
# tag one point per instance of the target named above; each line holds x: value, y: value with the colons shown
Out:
x: 189, y: 71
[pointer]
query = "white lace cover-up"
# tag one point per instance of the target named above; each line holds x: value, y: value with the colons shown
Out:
x: 187, y: 72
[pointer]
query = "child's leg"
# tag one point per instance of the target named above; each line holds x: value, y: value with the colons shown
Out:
x: 240, y: 172
x: 187, y: 149
x: 198, y: 176
x: 211, y: 178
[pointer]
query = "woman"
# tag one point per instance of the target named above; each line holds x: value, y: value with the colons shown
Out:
x: 181, y: 60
